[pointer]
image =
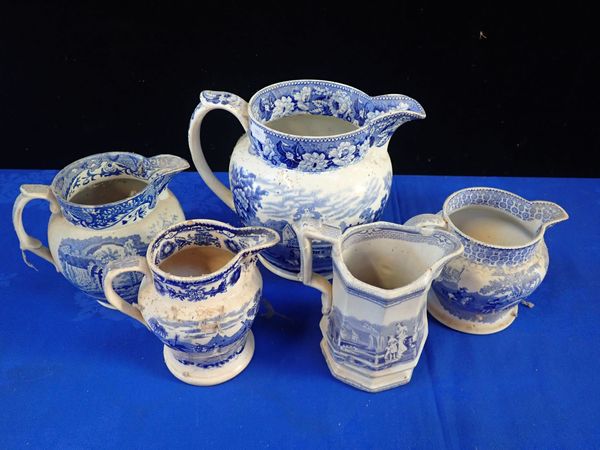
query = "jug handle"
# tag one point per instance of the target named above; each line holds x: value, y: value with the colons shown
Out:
x: 428, y: 221
x: 306, y: 234
x: 26, y: 242
x: 113, y: 270
x: 210, y: 100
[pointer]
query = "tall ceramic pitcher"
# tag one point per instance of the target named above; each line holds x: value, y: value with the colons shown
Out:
x: 311, y: 146
x: 374, y: 321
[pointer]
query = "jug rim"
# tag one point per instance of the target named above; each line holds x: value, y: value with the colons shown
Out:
x: 361, y: 129
x: 533, y: 241
x: 418, y: 284
x: 217, y: 273
x: 63, y: 172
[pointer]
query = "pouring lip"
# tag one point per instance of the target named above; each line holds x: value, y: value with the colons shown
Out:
x: 64, y: 170
x: 362, y: 129
x: 417, y: 285
x: 533, y: 241
x: 212, y: 276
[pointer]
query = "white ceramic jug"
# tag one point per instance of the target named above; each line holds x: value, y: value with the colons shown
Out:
x: 204, y: 319
x: 83, y: 238
x: 311, y: 146
x: 504, y: 261
x: 374, y: 321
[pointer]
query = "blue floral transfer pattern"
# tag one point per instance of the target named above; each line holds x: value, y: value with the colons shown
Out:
x: 375, y: 118
x: 247, y: 194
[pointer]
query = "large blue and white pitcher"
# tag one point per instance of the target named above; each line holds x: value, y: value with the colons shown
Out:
x: 311, y: 147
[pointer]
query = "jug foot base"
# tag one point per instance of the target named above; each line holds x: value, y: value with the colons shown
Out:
x: 375, y: 383
x: 468, y: 326
x: 284, y: 273
x: 210, y: 376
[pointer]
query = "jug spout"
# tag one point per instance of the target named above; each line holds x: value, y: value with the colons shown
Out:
x: 448, y: 247
x: 161, y: 168
x: 249, y: 241
x: 161, y: 165
x: 549, y: 213
x: 389, y: 112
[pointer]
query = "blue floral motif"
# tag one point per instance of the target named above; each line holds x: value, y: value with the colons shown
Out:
x: 246, y: 193
x: 83, y: 262
x: 375, y: 118
x: 220, y: 98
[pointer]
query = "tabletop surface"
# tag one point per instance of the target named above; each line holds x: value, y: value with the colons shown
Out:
x: 76, y: 375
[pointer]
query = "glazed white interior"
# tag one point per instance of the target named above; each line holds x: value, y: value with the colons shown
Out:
x: 97, y: 168
x: 311, y: 125
x: 387, y: 262
x: 493, y: 226
x: 515, y: 223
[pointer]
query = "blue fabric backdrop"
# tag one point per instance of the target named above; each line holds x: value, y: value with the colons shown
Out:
x: 74, y: 374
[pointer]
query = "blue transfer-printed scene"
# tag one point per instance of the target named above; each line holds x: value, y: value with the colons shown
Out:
x: 82, y: 173
x: 325, y: 99
x: 500, y: 294
x: 83, y: 262
x: 374, y: 347
x: 209, y: 336
x: 251, y: 198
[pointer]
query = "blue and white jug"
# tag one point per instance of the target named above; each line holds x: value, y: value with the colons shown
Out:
x: 504, y: 261
x: 83, y: 238
x: 201, y: 306
x: 311, y: 146
x: 374, y: 321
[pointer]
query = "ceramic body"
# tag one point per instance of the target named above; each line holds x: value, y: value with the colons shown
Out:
x: 375, y: 320
x: 204, y: 322
x: 343, y: 179
x: 82, y: 240
x: 479, y: 292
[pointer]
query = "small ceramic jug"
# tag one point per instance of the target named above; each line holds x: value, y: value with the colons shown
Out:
x: 83, y: 238
x: 203, y: 320
x: 504, y: 261
x: 374, y: 321
x: 311, y: 146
